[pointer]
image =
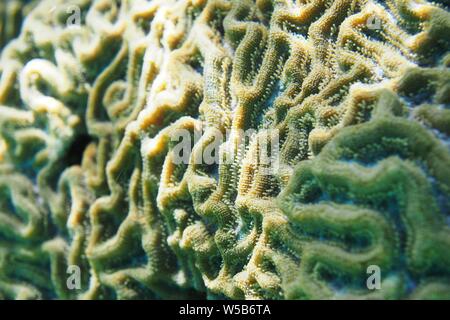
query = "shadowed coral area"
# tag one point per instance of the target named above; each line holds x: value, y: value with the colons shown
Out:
x: 12, y: 13
x: 354, y: 94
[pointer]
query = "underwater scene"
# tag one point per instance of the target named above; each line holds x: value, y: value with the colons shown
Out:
x: 224, y: 149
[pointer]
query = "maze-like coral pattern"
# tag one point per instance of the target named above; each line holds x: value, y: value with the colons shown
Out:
x: 377, y: 195
x: 353, y: 93
x: 12, y: 13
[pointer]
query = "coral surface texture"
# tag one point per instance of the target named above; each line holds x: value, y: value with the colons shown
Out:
x: 352, y: 97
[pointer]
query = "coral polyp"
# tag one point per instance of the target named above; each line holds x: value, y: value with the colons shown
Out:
x: 350, y: 96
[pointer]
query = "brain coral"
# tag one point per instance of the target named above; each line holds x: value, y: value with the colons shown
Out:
x: 12, y: 12
x: 355, y: 95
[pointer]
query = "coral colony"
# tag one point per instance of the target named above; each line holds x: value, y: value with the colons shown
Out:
x: 220, y: 149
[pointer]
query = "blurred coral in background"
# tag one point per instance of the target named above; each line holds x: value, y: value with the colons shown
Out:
x: 354, y: 95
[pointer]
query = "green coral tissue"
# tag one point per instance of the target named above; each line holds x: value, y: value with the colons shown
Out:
x: 352, y: 97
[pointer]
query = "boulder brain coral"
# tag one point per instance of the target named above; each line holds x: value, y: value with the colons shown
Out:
x: 354, y: 94
x: 12, y: 13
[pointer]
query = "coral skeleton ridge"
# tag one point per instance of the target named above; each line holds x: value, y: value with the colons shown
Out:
x: 355, y: 94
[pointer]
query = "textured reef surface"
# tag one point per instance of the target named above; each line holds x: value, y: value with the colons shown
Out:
x: 358, y: 92
x: 12, y: 13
